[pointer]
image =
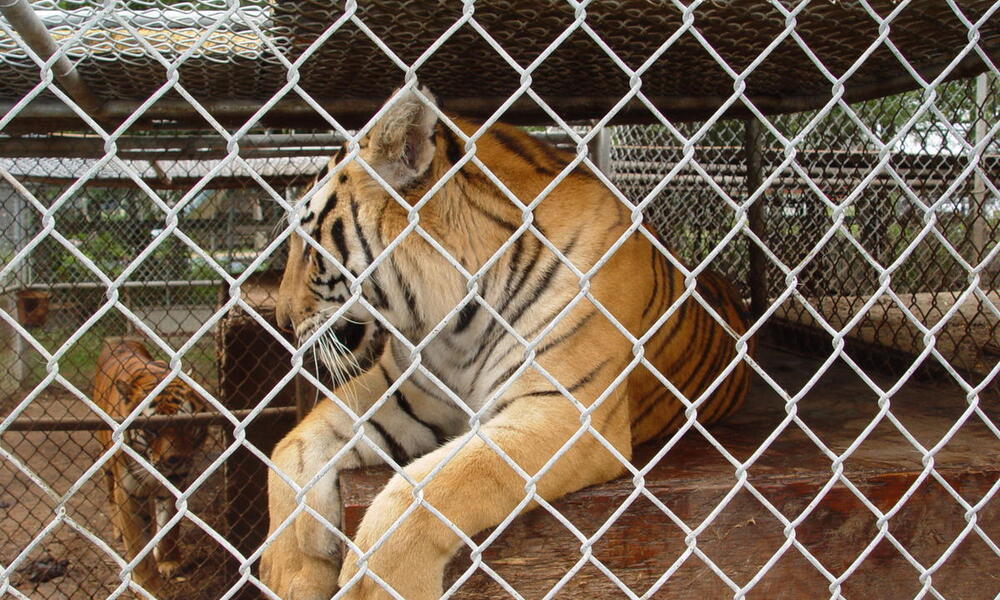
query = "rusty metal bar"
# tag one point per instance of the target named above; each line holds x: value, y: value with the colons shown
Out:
x: 98, y: 424
x: 32, y: 30
x: 304, y: 402
x: 79, y: 285
x: 753, y: 145
x: 167, y: 147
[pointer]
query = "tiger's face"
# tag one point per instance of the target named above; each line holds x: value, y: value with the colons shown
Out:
x: 353, y: 218
x: 314, y: 287
x: 171, y: 449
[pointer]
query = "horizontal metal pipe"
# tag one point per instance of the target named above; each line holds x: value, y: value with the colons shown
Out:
x: 175, y: 183
x: 738, y: 180
x: 97, y: 284
x: 165, y: 146
x: 190, y: 146
x: 32, y: 30
x: 98, y: 424
x: 82, y: 285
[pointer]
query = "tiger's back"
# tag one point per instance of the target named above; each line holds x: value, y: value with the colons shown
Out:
x: 692, y: 349
x: 695, y: 351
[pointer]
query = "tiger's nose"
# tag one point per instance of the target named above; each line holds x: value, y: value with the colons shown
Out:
x: 172, y: 462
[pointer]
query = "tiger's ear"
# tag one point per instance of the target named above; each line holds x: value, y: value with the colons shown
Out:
x: 401, y: 144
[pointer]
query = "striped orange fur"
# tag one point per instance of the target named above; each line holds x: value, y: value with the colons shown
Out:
x: 550, y: 283
x: 140, y: 502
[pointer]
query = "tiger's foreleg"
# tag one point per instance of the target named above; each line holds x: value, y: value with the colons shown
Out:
x: 303, y: 559
x: 133, y: 519
x: 477, y: 489
x: 110, y: 485
x: 301, y: 562
x: 168, y: 554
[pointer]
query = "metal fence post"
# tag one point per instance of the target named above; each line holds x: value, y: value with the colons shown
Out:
x: 22, y: 279
x: 599, y: 148
x: 977, y: 207
x: 752, y: 141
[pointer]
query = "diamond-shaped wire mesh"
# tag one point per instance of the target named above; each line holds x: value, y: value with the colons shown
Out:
x: 886, y: 216
x: 836, y: 161
x: 172, y: 292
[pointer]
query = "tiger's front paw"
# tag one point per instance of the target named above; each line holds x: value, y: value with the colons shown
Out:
x: 407, y: 582
x: 410, y: 561
x: 152, y: 584
x: 312, y: 580
x: 411, y: 570
x: 294, y: 575
x: 169, y: 568
x: 303, y: 559
x: 366, y: 589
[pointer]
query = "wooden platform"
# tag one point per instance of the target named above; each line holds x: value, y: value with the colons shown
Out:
x: 536, y: 551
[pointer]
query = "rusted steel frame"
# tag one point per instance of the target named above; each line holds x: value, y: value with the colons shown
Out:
x: 98, y: 424
x: 753, y: 144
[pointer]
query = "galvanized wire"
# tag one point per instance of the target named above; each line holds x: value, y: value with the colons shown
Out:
x: 881, y: 226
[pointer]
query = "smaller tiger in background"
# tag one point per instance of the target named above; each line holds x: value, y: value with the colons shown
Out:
x: 126, y: 374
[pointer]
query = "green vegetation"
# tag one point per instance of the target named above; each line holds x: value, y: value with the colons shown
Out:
x: 112, y: 226
x: 78, y: 362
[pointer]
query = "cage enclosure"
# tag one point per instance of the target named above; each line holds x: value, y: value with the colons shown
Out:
x: 837, y: 161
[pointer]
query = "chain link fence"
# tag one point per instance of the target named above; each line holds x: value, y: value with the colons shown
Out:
x: 836, y: 161
x: 171, y: 293
x: 885, y: 216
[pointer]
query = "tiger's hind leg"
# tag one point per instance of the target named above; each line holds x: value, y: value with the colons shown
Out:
x: 133, y: 519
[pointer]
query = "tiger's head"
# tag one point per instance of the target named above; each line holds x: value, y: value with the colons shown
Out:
x: 169, y: 448
x: 353, y: 218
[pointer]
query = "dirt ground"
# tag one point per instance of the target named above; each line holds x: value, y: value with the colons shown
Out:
x: 55, y: 477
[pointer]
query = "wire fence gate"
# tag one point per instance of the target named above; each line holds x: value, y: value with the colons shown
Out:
x: 836, y: 161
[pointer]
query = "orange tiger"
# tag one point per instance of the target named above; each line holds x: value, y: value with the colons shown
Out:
x: 471, y: 315
x: 126, y: 374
